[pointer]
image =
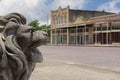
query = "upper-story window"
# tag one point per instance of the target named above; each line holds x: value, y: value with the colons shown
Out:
x: 54, y: 21
x: 57, y: 20
x: 60, y: 20
x: 64, y: 20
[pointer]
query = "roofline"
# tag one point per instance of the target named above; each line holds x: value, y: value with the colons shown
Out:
x: 91, y: 11
x: 107, y: 15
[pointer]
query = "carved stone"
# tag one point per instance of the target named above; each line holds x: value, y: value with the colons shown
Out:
x: 18, y: 47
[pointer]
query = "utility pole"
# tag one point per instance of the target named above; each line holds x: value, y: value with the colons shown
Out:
x: 47, y: 22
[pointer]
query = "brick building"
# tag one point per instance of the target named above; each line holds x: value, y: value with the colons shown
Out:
x: 83, y: 27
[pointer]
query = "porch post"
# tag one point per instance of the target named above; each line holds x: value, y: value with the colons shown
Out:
x: 67, y: 36
x: 107, y: 33
x: 60, y: 36
x: 95, y: 33
x: 51, y: 38
x: 55, y: 36
x: 85, y: 35
x: 76, y: 35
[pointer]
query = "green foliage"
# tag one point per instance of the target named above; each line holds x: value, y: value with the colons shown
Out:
x: 37, y: 26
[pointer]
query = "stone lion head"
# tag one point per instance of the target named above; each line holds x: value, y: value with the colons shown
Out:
x: 18, y: 47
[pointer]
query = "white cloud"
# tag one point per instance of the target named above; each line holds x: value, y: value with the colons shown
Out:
x: 37, y: 9
x: 30, y: 3
x: 73, y: 3
x: 110, y: 6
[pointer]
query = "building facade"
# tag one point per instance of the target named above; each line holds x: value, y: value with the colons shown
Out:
x: 83, y: 27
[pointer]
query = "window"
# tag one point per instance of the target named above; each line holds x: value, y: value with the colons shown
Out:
x: 115, y: 27
x: 72, y: 39
x: 80, y: 30
x: 72, y: 31
x: 64, y: 31
x: 60, y: 20
x: 56, y: 20
x: 97, y: 28
x: 87, y: 30
x: 65, y: 21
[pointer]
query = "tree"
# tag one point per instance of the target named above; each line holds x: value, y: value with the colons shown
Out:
x: 46, y: 28
x: 37, y: 26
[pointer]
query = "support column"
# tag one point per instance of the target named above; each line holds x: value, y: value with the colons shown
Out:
x: 51, y: 37
x: 55, y: 36
x: 68, y: 36
x: 60, y: 36
x: 107, y: 32
x: 92, y: 30
x: 83, y: 40
x: 95, y: 33
x: 110, y: 36
x: 101, y: 34
x: 76, y: 35
x: 85, y: 36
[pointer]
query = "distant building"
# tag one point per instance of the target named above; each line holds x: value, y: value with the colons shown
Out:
x: 84, y: 27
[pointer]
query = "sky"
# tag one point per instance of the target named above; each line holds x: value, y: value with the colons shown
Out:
x: 41, y: 9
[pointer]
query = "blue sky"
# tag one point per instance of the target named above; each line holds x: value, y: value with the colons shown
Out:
x: 94, y: 4
x: 40, y: 9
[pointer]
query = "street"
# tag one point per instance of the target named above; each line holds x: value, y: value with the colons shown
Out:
x: 100, y: 56
x: 78, y: 63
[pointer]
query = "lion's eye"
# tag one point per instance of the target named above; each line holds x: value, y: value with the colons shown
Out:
x: 30, y: 30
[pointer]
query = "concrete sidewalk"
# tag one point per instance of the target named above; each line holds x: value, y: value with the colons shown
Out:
x: 57, y: 70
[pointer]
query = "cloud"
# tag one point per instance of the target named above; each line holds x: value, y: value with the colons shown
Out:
x: 110, y: 6
x: 73, y: 3
x: 31, y: 9
x: 37, y: 9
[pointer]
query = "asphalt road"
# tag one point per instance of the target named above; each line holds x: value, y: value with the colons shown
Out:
x: 100, y: 56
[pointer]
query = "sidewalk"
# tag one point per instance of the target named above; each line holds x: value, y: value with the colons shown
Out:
x: 57, y: 70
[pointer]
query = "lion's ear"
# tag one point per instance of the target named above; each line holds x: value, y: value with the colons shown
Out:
x: 10, y: 29
x: 16, y: 17
x: 3, y: 21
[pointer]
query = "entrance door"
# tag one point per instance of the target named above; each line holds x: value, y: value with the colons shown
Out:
x: 104, y: 39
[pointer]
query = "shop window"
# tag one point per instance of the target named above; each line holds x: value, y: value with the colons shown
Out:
x: 80, y: 30
x: 72, y: 31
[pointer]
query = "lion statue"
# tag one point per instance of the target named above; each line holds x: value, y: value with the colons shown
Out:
x: 18, y: 47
